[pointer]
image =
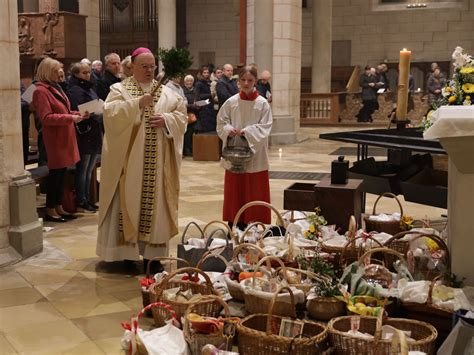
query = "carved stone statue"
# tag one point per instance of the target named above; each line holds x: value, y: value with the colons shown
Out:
x: 25, y: 40
x: 50, y: 20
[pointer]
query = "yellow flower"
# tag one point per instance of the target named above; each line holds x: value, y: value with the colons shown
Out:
x: 452, y: 99
x: 467, y: 70
x: 311, y: 228
x: 306, y: 234
x: 468, y: 88
x: 468, y: 97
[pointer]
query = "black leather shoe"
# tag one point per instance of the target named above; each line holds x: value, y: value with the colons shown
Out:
x: 155, y: 267
x: 49, y: 218
x: 68, y: 216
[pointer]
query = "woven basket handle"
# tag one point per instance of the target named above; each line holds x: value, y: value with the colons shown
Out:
x: 160, y: 258
x: 272, y: 303
x: 163, y: 305
x: 250, y: 226
x: 220, y: 223
x: 398, y: 236
x: 369, y: 253
x: 309, y: 274
x: 351, y: 244
x: 207, y: 298
x: 209, y: 254
x: 186, y: 231
x: 243, y: 246
x: 280, y: 220
x: 388, y: 194
x: 267, y: 259
x: 190, y: 271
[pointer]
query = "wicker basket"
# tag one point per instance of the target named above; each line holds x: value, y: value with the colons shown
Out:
x: 390, y: 227
x: 343, y: 343
x: 325, y: 308
x: 211, y: 308
x: 257, y: 304
x: 196, y: 341
x: 146, y: 294
x: 234, y: 287
x: 280, y: 221
x: 440, y: 318
x: 351, y: 252
x: 255, y: 336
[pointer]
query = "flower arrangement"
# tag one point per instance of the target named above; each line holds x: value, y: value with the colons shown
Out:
x: 459, y: 90
x: 406, y: 223
x: 315, y: 221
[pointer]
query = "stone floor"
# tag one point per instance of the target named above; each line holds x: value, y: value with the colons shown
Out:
x: 65, y: 300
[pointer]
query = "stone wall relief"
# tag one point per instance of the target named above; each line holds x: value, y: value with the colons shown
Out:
x: 25, y: 40
x: 50, y: 20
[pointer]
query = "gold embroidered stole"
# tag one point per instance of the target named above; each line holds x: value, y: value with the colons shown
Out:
x: 150, y: 166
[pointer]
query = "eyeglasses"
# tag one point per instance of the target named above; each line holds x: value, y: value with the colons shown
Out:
x: 148, y: 67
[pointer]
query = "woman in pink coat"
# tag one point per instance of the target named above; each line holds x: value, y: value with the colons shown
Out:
x: 59, y: 135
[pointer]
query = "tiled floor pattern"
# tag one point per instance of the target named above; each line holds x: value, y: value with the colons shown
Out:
x: 65, y: 300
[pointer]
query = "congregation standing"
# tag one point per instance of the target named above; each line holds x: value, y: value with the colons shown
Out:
x: 236, y: 106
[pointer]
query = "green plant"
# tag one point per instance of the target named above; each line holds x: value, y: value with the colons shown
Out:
x: 320, y: 266
x: 176, y: 61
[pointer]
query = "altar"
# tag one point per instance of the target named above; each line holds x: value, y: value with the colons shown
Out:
x: 454, y: 127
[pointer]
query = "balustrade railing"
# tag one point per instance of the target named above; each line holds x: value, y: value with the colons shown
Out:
x: 319, y: 108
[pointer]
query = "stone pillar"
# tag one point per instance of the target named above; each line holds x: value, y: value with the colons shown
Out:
x: 263, y: 35
x: 90, y: 8
x: 322, y: 46
x: 166, y: 24
x: 48, y: 6
x: 287, y: 25
x: 23, y: 199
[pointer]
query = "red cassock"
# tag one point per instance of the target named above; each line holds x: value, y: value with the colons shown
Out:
x: 240, y: 189
x: 59, y: 133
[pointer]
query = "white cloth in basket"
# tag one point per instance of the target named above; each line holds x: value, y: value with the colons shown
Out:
x: 383, y: 217
x: 282, y: 297
x: 167, y: 340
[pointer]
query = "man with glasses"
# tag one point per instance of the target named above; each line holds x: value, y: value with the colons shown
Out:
x: 144, y: 128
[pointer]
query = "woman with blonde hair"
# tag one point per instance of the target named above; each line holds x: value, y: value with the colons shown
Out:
x: 59, y: 135
x: 246, y: 119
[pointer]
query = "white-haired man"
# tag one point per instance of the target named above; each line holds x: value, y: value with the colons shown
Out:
x: 110, y: 76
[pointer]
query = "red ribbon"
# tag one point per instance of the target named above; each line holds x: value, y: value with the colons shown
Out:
x: 145, y: 282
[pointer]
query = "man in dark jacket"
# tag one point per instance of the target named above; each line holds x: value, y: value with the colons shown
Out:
x: 368, y: 81
x: 110, y: 76
x: 263, y: 85
x: 226, y: 86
